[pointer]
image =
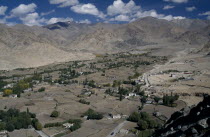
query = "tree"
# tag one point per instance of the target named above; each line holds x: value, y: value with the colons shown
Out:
x: 91, y: 114
x: 142, y: 124
x: 2, y: 126
x: 123, y: 91
x: 42, y: 89
x: 38, y: 126
x: 141, y: 93
x: 8, y: 92
x: 166, y: 100
x: 54, y: 114
x: 157, y: 99
x: 14, y: 119
x: 144, y: 116
x: 2, y: 84
x: 34, y: 121
x: 10, y: 127
x: 134, y: 117
x: 169, y: 100
x: 143, y: 99
x: 75, y: 126
x: 152, y: 124
x: 121, y: 97
x: 27, y: 111
x: 116, y: 83
x: 18, y: 125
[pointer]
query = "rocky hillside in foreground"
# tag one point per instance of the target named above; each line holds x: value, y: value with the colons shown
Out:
x: 189, y: 122
x: 24, y: 46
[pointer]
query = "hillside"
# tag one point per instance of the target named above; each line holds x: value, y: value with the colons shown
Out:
x: 24, y: 46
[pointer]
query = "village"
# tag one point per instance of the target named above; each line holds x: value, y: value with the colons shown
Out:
x: 98, y: 96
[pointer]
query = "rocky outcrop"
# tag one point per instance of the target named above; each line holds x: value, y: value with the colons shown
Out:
x: 194, y: 122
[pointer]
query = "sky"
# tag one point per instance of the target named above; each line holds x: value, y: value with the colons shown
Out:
x: 44, y: 12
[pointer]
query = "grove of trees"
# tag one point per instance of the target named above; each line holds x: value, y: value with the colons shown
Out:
x: 143, y: 120
x: 14, y: 119
x: 169, y: 100
x: 91, y: 114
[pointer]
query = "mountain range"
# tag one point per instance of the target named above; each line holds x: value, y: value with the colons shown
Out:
x: 24, y: 46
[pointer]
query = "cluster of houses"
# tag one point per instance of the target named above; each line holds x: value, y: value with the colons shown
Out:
x: 131, y: 95
x: 116, y: 116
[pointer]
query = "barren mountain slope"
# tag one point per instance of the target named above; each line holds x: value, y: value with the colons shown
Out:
x: 128, y: 36
x: 191, y: 24
x: 24, y: 46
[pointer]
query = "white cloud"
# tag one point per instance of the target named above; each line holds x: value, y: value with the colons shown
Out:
x: 168, y: 7
x: 142, y: 14
x: 64, y: 3
x: 87, y: 9
x: 3, y: 9
x: 153, y: 13
x: 177, y: 1
x: 190, y: 9
x: 179, y: 17
x: 32, y: 19
x: 47, y: 13
x: 205, y: 14
x: 120, y: 18
x: 120, y: 11
x: 55, y: 20
x: 86, y: 21
x: 119, y: 7
x: 23, y: 9
x: 27, y: 14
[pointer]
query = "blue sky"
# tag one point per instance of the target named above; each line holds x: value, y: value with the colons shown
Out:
x: 42, y: 12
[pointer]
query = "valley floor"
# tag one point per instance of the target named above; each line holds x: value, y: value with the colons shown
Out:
x: 187, y: 74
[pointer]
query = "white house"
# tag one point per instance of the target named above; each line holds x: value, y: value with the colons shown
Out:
x: 132, y: 94
x: 157, y: 114
x: 137, y: 81
x: 13, y: 96
x: 27, y: 90
x: 149, y: 102
x: 68, y: 125
x: 88, y: 93
x: 35, y: 81
x: 123, y: 131
x: 85, y: 117
x: 9, y: 85
x: 160, y: 102
x: 81, y: 73
x: 4, y: 132
x: 117, y: 116
x: 125, y: 116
